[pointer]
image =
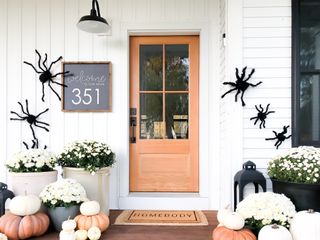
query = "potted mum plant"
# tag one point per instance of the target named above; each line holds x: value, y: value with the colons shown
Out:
x: 89, y: 163
x: 62, y: 199
x: 30, y: 170
x: 265, y: 208
x: 296, y: 173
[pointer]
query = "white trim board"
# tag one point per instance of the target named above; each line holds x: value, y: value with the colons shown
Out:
x: 128, y: 200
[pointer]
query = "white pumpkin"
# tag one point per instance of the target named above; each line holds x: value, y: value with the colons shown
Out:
x: 69, y: 225
x: 25, y: 205
x: 305, y: 225
x: 81, y: 234
x: 233, y: 221
x: 222, y: 212
x: 90, y: 208
x: 274, y: 232
x: 3, y: 237
x: 94, y: 233
x: 67, y: 235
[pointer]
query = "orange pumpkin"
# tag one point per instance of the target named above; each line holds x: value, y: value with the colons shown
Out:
x: 16, y: 227
x: 223, y: 233
x: 100, y: 220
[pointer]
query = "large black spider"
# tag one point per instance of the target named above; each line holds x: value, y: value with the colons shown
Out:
x: 280, y: 136
x: 241, y: 85
x: 46, y: 75
x: 262, y: 115
x: 31, y: 119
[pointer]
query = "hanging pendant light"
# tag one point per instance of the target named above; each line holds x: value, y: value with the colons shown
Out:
x: 93, y: 23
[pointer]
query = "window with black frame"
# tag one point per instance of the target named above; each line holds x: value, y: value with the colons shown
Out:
x: 306, y: 72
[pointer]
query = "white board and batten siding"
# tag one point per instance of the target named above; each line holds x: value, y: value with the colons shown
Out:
x: 267, y: 48
x: 50, y: 27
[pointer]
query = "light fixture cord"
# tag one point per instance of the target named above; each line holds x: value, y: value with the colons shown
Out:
x: 95, y: 2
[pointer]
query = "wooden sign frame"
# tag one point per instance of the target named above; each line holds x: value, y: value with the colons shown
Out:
x: 80, y: 86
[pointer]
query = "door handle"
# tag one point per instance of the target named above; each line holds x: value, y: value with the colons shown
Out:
x: 133, y: 124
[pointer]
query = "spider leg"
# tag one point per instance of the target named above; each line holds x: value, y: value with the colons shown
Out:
x: 35, y: 143
x: 261, y: 108
x: 39, y: 61
x: 264, y: 124
x: 243, y: 103
x: 33, y: 134
x: 249, y: 76
x: 288, y: 137
x: 26, y: 145
x: 42, y: 98
x: 45, y: 147
x: 54, y: 91
x: 61, y: 84
x: 44, y: 61
x: 44, y: 123
x: 267, y: 108
x: 236, y: 96
x: 254, y: 85
x: 278, y: 143
x: 59, y: 58
x: 42, y: 112
x: 27, y: 107
x: 271, y: 138
x: 243, y: 74
x: 237, y: 73
x: 253, y: 118
x: 275, y: 133
x: 255, y: 122
x: 229, y: 83
x: 270, y: 112
x: 22, y: 109
x: 32, y: 67
x: 18, y: 119
x: 17, y: 115
x: 41, y: 127
x: 231, y: 90
x: 256, y: 108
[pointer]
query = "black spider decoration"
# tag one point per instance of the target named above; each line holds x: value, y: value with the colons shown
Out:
x: 35, y: 144
x: 31, y: 119
x: 46, y: 75
x: 262, y: 115
x: 280, y: 136
x: 241, y: 85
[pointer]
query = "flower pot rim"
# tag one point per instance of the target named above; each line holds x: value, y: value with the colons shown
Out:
x: 284, y: 181
x: 33, y: 173
x: 81, y: 169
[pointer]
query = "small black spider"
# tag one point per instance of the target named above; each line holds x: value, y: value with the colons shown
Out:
x: 35, y: 144
x: 280, y: 136
x: 241, y: 85
x: 262, y: 115
x: 46, y: 75
x: 31, y: 119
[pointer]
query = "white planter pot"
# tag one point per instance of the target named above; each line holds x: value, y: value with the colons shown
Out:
x: 96, y: 186
x: 31, y: 183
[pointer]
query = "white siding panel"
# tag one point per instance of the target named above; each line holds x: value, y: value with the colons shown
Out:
x: 267, y: 32
x: 270, y: 42
x: 267, y: 22
x: 267, y: 3
x: 267, y: 12
x: 268, y: 62
x: 284, y: 52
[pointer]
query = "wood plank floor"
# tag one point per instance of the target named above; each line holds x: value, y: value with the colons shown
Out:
x: 117, y: 232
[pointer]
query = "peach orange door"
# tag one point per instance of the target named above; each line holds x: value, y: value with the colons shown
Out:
x: 164, y: 142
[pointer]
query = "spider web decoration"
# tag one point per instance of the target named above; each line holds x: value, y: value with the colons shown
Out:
x: 280, y: 137
x: 241, y: 84
x: 262, y: 115
x: 46, y: 75
x: 32, y: 120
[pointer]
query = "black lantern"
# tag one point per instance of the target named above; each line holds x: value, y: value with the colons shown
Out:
x: 248, y: 174
x: 4, y: 195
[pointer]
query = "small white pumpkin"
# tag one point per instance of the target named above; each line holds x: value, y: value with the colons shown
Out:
x: 94, y: 233
x: 305, y: 225
x: 90, y: 208
x: 3, y: 236
x: 67, y: 235
x: 274, y: 232
x: 81, y: 234
x: 222, y: 213
x: 25, y: 205
x: 69, y: 225
x: 233, y: 221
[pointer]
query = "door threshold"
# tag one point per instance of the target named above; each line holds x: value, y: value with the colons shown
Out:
x: 164, y: 194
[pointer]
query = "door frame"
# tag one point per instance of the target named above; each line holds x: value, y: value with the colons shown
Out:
x: 208, y: 170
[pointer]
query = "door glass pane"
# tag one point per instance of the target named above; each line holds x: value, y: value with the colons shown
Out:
x: 151, y: 120
x: 151, y: 67
x: 177, y: 67
x: 309, y: 108
x: 177, y: 115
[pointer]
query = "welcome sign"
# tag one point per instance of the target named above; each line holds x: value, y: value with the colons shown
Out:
x: 88, y: 86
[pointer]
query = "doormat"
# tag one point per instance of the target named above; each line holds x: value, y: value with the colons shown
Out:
x: 165, y: 218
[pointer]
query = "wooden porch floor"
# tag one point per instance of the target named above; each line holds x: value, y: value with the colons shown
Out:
x: 116, y: 232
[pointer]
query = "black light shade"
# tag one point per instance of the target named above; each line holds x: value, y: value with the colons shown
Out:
x: 93, y: 23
